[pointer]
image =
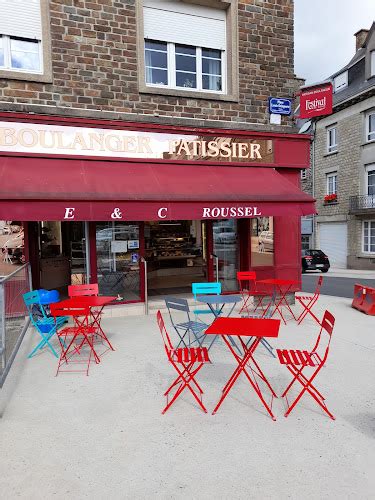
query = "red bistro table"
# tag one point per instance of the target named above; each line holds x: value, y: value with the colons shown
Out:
x: 281, y: 287
x: 95, y: 304
x: 245, y: 327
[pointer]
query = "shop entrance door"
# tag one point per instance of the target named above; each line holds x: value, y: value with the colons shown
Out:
x: 176, y: 256
x: 225, y: 249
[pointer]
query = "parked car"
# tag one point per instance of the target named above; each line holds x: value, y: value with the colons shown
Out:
x: 224, y: 234
x: 315, y: 260
x: 265, y: 240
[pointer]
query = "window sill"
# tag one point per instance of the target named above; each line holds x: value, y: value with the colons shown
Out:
x: 368, y: 142
x: 144, y: 89
x: 331, y: 153
x: 7, y: 74
x: 327, y: 203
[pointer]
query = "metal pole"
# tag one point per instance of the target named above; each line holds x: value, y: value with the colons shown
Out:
x: 30, y: 277
x: 144, y: 261
x: 2, y: 325
x: 216, y: 266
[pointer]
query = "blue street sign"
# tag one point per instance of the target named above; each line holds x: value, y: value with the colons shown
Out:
x: 279, y: 106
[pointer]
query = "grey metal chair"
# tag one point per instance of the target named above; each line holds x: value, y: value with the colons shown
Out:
x: 189, y: 328
x: 266, y: 314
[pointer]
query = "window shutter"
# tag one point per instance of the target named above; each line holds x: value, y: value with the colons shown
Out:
x: 21, y: 18
x: 188, y: 24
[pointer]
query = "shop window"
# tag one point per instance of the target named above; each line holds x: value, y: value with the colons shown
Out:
x: 11, y: 246
x: 24, y: 40
x: 370, y: 127
x: 185, y: 46
x: 262, y: 242
x: 331, y: 139
x: 117, y: 260
x: 368, y: 232
x: 175, y: 254
x: 331, y: 180
x: 225, y: 237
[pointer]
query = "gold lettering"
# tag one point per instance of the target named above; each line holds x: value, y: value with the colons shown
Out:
x: 254, y: 151
x: 96, y: 140
x: 172, y: 146
x: 130, y: 144
x: 78, y: 140
x: 242, y: 153
x: 8, y: 137
x: 234, y: 148
x: 25, y: 132
x: 225, y: 148
x: 117, y: 143
x: 195, y: 145
x: 144, y: 145
x: 184, y: 145
x: 42, y: 139
x: 213, y: 149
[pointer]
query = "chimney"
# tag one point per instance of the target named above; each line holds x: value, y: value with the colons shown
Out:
x: 360, y: 38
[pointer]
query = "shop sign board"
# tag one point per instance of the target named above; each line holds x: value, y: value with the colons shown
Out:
x: 316, y: 101
x: 279, y: 106
x: 61, y: 140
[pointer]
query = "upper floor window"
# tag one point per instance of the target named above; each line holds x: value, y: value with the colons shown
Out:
x: 303, y: 173
x: 372, y: 63
x: 331, y: 139
x: 24, y: 40
x: 185, y: 46
x: 20, y: 54
x: 332, y: 183
x: 370, y: 180
x: 340, y: 81
x: 370, y: 126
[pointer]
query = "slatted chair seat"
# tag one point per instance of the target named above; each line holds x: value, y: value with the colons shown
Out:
x: 299, y: 358
x: 76, y: 330
x: 194, y: 326
x: 190, y: 355
x: 303, y: 297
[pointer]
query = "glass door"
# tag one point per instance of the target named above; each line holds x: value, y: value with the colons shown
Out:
x: 117, y: 260
x: 225, y: 247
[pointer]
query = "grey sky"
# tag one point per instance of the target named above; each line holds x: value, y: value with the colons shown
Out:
x: 324, y: 30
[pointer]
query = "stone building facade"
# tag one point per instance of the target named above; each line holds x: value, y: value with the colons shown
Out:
x: 344, y: 162
x: 94, y: 55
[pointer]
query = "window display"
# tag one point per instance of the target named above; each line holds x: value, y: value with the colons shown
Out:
x: 262, y: 241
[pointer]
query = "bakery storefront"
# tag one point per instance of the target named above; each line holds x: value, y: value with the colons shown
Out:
x: 99, y: 198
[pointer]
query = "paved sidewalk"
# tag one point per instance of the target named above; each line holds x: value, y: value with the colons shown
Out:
x: 349, y: 273
x: 103, y: 436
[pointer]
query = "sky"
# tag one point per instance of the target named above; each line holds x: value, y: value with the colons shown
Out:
x: 324, y: 34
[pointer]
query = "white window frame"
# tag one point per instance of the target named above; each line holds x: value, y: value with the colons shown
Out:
x: 340, y: 81
x: 332, y: 132
x: 171, y: 70
x: 328, y: 177
x: 368, y: 168
x: 7, y: 56
x: 303, y: 173
x: 369, y: 222
x: 370, y: 136
x: 372, y: 63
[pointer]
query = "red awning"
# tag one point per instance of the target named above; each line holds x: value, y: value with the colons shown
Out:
x: 57, y: 189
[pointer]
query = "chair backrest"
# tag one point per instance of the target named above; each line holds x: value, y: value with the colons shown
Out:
x: 213, y: 288
x: 31, y: 298
x: 327, y: 324
x: 173, y: 303
x: 246, y: 280
x: 88, y: 290
x: 166, y: 339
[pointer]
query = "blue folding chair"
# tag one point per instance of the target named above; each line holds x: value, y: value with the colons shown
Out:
x: 44, y: 324
x: 204, y: 289
x: 189, y: 327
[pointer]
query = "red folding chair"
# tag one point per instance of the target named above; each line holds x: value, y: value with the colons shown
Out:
x: 248, y: 289
x: 187, y: 361
x: 297, y: 361
x: 73, y: 339
x: 307, y: 302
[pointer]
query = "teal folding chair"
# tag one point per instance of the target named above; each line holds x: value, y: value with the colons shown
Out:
x: 204, y: 289
x: 44, y: 324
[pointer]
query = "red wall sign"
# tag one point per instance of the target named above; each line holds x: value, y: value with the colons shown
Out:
x: 316, y: 101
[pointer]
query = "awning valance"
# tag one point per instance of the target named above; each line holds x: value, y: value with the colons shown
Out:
x: 63, y: 189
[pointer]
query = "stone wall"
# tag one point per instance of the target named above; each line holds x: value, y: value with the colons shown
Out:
x: 94, y: 66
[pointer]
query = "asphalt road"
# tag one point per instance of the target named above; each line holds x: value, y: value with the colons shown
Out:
x: 340, y: 287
